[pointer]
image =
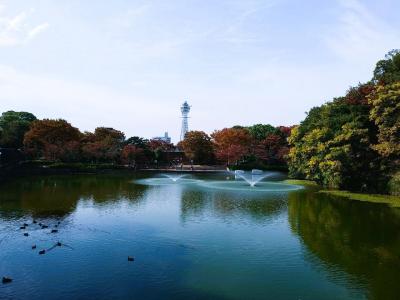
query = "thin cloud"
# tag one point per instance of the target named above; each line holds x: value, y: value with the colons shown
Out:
x: 360, y: 35
x: 37, y: 30
x: 16, y: 30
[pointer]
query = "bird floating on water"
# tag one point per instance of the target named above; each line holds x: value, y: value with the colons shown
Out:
x: 6, y: 280
x: 131, y: 258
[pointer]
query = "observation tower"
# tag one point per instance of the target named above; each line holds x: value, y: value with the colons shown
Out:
x: 185, y: 109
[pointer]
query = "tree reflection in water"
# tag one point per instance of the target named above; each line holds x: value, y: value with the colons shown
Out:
x: 361, y: 239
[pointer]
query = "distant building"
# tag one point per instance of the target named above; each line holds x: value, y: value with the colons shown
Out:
x: 164, y: 138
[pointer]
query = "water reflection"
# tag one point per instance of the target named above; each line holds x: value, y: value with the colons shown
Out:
x: 59, y: 195
x: 361, y: 239
x: 239, y: 206
x: 193, y: 242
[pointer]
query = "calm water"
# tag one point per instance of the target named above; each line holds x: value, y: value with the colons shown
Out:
x: 192, y: 242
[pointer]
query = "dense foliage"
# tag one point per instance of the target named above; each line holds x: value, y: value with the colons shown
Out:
x: 198, y: 147
x: 352, y: 142
x: 13, y: 126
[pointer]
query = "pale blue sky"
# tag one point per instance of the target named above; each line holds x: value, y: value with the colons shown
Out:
x: 130, y: 64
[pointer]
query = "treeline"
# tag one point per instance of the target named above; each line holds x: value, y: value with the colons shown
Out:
x: 260, y: 145
x: 57, y: 140
x: 353, y: 142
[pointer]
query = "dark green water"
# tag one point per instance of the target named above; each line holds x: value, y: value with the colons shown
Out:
x: 192, y: 242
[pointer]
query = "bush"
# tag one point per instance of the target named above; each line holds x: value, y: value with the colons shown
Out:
x: 394, y: 185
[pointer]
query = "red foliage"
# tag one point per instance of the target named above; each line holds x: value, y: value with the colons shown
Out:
x: 231, y: 144
x: 130, y: 154
x: 53, y: 140
x: 358, y: 95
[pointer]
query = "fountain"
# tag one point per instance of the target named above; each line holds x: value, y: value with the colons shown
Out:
x: 167, y: 179
x: 174, y: 177
x: 244, y: 182
x: 256, y: 176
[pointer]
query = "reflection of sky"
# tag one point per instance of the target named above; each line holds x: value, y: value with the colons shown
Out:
x: 200, y: 242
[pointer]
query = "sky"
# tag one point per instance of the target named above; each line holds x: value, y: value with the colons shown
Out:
x: 131, y: 64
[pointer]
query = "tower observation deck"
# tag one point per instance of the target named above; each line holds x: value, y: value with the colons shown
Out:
x: 185, y: 109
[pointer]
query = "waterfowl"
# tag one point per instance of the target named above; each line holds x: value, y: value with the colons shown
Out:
x: 45, y: 226
x: 131, y: 258
x: 26, y: 234
x: 33, y: 246
x: 40, y: 224
x: 6, y: 280
x: 59, y: 244
x: 34, y: 221
x: 56, y: 226
x: 25, y: 224
x: 22, y: 227
x: 54, y: 231
x: 42, y: 252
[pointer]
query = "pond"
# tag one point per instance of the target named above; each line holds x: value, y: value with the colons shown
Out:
x: 198, y: 237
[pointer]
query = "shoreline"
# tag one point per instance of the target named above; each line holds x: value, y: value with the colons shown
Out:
x: 391, y: 200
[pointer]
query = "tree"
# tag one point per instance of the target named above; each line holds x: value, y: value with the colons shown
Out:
x: 53, y: 140
x: 158, y: 147
x: 274, y: 149
x: 333, y: 144
x: 130, y: 154
x: 105, y: 144
x: 143, y: 144
x: 261, y: 131
x: 198, y: 147
x: 387, y: 70
x: 231, y: 144
x: 13, y: 126
x: 385, y: 113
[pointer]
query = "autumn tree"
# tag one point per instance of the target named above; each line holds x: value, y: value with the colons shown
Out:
x: 231, y: 144
x: 13, y: 126
x: 53, y: 140
x: 157, y: 147
x: 131, y: 154
x: 198, y: 147
x: 105, y: 144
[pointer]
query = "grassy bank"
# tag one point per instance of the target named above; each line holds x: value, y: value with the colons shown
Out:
x: 375, y: 198
x: 301, y: 182
x: 393, y: 201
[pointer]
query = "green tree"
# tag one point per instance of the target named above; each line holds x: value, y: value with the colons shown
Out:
x: 13, y: 126
x: 332, y: 145
x: 385, y: 113
x: 261, y: 131
x: 387, y: 70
